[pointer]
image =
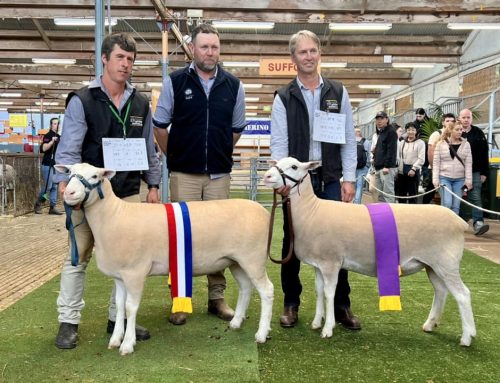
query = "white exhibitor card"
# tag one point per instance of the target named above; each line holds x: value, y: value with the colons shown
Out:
x: 329, y: 127
x: 127, y: 154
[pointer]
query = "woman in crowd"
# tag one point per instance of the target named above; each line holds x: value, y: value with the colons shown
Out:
x: 452, y: 166
x: 411, y: 157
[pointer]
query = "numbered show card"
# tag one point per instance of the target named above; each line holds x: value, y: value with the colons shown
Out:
x: 127, y: 154
x: 329, y: 127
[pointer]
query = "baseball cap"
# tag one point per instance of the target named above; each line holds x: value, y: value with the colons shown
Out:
x: 381, y: 114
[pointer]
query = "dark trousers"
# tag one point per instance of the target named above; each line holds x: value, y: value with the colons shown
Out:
x: 407, y: 186
x: 427, y: 185
x: 290, y: 281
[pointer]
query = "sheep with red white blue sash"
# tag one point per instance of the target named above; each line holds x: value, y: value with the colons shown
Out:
x: 132, y: 242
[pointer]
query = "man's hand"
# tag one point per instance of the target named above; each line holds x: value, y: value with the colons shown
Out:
x: 483, y: 178
x: 385, y: 170
x: 284, y: 190
x: 348, y: 190
x: 62, y: 188
x: 153, y: 196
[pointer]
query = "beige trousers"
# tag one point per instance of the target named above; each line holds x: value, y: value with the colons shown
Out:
x: 199, y: 187
x: 70, y: 301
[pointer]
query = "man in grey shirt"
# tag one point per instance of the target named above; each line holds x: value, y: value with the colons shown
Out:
x: 108, y: 108
x: 205, y: 106
x: 293, y: 122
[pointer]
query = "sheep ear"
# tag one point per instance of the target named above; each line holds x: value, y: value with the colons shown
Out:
x: 63, y: 168
x: 108, y: 173
x: 313, y: 165
x: 272, y: 162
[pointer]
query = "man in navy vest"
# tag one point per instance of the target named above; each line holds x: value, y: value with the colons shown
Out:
x: 205, y: 108
x: 111, y: 108
x: 293, y: 125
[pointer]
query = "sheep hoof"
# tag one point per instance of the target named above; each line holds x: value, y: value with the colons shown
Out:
x: 125, y: 350
x: 326, y: 334
x: 316, y: 324
x: 260, y: 338
x: 113, y: 343
x: 465, y: 341
x: 429, y: 326
x: 235, y: 323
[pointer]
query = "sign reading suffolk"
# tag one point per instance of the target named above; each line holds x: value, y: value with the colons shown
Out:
x: 277, y: 67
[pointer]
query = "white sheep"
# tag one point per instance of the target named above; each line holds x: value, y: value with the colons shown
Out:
x: 131, y: 243
x: 330, y: 235
x: 7, y: 178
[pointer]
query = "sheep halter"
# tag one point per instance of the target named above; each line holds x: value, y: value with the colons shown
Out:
x: 286, y: 201
x: 75, y: 257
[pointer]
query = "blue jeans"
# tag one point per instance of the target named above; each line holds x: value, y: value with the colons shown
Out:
x: 49, y: 187
x: 455, y: 185
x: 360, y: 182
x: 474, y: 197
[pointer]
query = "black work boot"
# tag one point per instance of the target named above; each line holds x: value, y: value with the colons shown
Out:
x: 38, y: 207
x: 54, y: 211
x: 67, y: 335
x: 141, y: 333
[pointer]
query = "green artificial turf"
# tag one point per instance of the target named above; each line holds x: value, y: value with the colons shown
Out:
x: 391, y: 347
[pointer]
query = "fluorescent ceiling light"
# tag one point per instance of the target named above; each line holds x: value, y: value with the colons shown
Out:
x: 473, y: 26
x: 412, y: 65
x: 252, y: 99
x: 359, y: 99
x: 41, y: 82
x: 241, y: 64
x: 3, y: 109
x: 81, y: 21
x: 374, y: 86
x: 250, y: 114
x: 10, y: 94
x: 252, y: 86
x: 85, y: 82
x: 146, y: 62
x: 6, y: 102
x: 64, y: 95
x: 154, y: 84
x: 32, y: 109
x: 360, y: 26
x: 251, y: 107
x: 333, y: 65
x: 47, y: 103
x: 54, y: 61
x: 243, y: 24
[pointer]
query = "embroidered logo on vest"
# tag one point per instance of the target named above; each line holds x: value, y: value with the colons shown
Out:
x: 188, y: 94
x: 332, y: 105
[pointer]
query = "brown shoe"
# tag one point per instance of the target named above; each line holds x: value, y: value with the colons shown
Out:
x: 178, y: 319
x: 290, y: 316
x: 347, y: 319
x: 220, y: 308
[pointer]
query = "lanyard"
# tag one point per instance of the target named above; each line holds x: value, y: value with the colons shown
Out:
x: 117, y: 116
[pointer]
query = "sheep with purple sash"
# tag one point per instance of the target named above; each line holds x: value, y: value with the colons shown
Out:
x: 331, y: 235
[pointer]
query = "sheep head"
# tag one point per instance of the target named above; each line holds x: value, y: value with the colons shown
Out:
x: 287, y: 171
x: 83, y: 179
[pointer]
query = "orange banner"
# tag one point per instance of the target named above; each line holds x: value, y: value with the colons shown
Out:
x: 277, y: 67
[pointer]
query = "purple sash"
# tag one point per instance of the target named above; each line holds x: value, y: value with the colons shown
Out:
x: 387, y: 253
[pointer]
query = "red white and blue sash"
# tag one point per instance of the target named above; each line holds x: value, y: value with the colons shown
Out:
x: 180, y: 256
x: 387, y: 254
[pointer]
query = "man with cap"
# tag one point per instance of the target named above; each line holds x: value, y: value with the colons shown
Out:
x: 384, y: 157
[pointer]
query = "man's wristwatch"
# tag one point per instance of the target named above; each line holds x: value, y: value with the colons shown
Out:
x: 153, y: 186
